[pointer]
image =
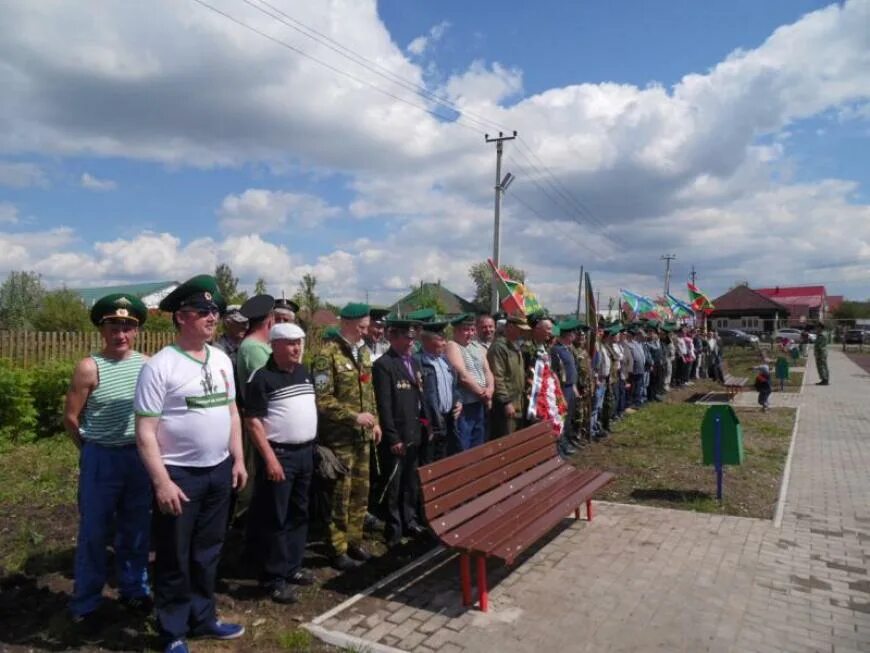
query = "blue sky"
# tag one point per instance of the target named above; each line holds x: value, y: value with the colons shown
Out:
x: 153, y: 146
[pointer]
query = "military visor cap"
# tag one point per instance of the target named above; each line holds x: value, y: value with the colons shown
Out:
x: 462, y: 318
x: 354, y: 311
x: 119, y: 306
x: 422, y: 315
x: 200, y: 292
x: 258, y: 307
x: 570, y: 325
x: 435, y: 327
x: 408, y: 327
x: 378, y: 314
x: 286, y: 305
x: 518, y: 321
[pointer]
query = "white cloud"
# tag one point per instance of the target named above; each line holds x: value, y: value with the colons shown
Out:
x: 686, y: 169
x: 8, y: 213
x: 90, y: 182
x: 21, y: 175
x: 261, y: 211
x: 425, y: 42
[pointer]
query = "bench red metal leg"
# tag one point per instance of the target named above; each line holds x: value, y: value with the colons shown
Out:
x: 589, y: 510
x: 465, y: 578
x: 577, y: 513
x: 481, y: 584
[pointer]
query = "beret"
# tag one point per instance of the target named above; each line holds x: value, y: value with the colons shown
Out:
x: 354, y: 311
x: 119, y: 306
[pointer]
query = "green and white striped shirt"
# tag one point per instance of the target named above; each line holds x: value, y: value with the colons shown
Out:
x: 108, y: 415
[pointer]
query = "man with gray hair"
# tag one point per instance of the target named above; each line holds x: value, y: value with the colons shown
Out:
x: 235, y: 326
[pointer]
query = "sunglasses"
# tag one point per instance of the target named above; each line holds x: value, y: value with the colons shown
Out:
x: 202, y: 312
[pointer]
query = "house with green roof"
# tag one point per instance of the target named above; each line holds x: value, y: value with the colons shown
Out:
x: 433, y: 295
x: 150, y: 293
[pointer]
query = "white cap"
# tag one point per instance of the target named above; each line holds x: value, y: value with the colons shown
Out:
x: 286, y: 331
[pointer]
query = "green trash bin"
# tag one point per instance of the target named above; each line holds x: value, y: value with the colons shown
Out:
x: 731, y: 433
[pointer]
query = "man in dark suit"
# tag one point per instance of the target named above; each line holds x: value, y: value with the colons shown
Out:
x: 398, y: 385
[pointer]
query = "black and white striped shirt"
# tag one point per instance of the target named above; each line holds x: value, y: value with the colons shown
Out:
x: 284, y: 401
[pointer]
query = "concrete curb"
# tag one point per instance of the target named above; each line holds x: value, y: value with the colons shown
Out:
x: 786, y: 472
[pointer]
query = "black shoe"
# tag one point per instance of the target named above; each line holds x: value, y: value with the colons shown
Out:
x: 283, y: 593
x: 345, y: 563
x: 87, y: 626
x: 302, y: 577
x: 139, y: 604
x: 358, y: 553
x: 372, y: 523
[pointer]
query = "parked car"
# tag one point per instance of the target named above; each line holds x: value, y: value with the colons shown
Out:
x: 792, y: 334
x: 857, y: 337
x: 737, y: 337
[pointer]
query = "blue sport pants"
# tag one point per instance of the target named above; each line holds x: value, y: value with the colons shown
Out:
x: 114, y: 498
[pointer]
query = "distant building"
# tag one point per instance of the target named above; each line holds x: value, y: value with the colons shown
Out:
x: 449, y: 302
x: 805, y: 303
x: 150, y: 293
x: 748, y: 310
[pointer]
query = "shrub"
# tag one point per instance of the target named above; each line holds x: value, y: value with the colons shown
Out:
x: 18, y: 416
x: 48, y: 389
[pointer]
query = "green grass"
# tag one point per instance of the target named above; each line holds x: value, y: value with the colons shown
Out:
x: 297, y: 639
x: 656, y: 456
x: 37, y: 500
x: 740, y: 361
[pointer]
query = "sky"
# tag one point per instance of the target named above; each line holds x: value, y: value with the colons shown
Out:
x: 345, y: 139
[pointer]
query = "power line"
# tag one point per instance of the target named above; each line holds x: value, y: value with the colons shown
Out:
x: 531, y: 208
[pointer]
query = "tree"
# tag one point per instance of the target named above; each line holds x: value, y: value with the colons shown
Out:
x: 481, y: 275
x: 229, y: 285
x: 260, y: 286
x: 62, y: 310
x: 306, y: 296
x: 426, y: 297
x: 852, y: 310
x: 20, y: 295
x: 158, y: 321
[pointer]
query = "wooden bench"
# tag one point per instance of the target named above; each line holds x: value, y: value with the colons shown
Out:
x: 498, y: 499
x: 734, y: 384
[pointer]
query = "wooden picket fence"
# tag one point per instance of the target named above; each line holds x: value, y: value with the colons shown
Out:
x: 34, y: 347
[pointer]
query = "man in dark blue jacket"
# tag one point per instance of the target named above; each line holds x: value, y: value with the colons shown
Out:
x: 441, y: 404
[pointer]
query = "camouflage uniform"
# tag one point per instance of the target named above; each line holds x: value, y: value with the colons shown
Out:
x: 344, y: 389
x: 820, y: 348
x: 583, y: 408
x: 609, y: 409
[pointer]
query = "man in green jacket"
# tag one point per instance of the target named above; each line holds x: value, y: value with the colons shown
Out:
x: 820, y: 348
x: 506, y: 362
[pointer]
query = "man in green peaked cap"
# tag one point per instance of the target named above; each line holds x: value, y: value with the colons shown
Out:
x: 114, y: 489
x: 190, y: 439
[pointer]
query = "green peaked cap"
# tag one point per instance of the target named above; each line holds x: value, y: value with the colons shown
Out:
x: 202, y: 288
x: 119, y: 306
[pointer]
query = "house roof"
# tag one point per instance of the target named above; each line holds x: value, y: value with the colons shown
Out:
x: 744, y: 298
x: 91, y: 295
x: 812, y: 296
x: 450, y: 303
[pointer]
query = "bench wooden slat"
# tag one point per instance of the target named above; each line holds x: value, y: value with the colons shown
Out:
x: 493, y: 447
x: 533, y: 532
x: 517, y: 514
x: 481, y: 468
x: 477, y: 487
x: 441, y: 523
x: 506, y: 497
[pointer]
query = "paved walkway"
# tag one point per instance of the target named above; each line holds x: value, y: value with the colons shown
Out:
x: 650, y: 579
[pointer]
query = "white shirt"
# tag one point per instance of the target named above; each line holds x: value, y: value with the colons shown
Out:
x: 192, y: 399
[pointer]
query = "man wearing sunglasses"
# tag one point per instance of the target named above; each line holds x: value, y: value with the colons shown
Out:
x: 114, y: 489
x: 189, y: 437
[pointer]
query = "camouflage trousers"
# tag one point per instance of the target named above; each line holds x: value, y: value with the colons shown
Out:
x: 822, y: 366
x: 582, y: 414
x: 350, y: 495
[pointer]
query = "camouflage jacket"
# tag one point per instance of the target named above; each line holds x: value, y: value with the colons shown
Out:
x: 584, y: 369
x: 343, y: 387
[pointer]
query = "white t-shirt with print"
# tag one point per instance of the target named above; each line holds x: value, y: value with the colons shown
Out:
x: 192, y: 399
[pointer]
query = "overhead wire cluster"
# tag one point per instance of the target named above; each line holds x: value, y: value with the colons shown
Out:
x: 533, y: 171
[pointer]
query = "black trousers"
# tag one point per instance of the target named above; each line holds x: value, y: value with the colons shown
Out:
x: 279, y: 512
x: 435, y: 446
x: 403, y: 488
x: 188, y: 549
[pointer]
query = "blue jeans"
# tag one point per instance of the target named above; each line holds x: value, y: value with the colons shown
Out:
x: 188, y: 549
x: 114, y: 498
x: 470, y: 427
x: 597, y: 405
x: 279, y: 512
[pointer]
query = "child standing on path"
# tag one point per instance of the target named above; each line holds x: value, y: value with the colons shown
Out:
x: 762, y: 385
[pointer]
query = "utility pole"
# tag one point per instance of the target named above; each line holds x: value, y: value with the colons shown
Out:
x: 667, y: 258
x: 693, y: 274
x: 579, y: 293
x: 500, y: 187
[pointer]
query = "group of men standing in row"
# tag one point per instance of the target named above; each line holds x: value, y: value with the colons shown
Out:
x: 186, y: 429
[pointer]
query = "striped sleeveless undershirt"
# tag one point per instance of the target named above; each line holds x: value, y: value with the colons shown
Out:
x: 108, y: 416
x: 472, y: 355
